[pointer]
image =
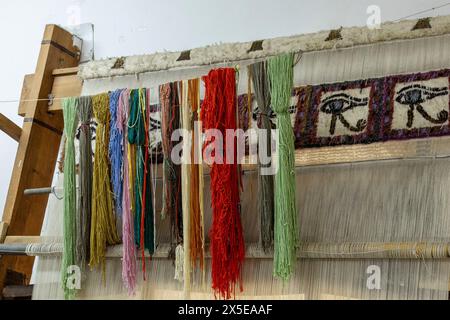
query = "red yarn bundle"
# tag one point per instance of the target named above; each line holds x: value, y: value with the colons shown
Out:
x: 226, y: 237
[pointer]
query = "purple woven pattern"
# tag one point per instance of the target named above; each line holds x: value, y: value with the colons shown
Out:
x: 373, y: 110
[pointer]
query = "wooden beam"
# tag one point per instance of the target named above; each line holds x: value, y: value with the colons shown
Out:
x: 22, y: 239
x: 65, y: 71
x: 38, y: 147
x: 26, y: 87
x: 3, y: 230
x: 64, y: 85
x: 10, y: 128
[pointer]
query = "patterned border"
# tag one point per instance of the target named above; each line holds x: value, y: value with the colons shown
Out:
x: 381, y: 104
x: 401, y: 134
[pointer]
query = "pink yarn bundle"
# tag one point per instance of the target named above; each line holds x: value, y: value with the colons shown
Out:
x: 129, y: 249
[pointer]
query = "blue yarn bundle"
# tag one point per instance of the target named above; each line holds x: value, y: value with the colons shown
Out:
x: 116, y: 153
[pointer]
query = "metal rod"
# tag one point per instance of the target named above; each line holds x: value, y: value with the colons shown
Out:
x: 13, y: 249
x: 38, y: 191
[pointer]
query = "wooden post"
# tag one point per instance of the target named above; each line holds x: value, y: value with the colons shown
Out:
x: 38, y: 146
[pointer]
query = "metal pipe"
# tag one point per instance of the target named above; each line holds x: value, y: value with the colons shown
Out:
x: 38, y: 191
x: 13, y: 249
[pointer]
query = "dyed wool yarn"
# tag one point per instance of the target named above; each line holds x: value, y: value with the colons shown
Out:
x: 265, y: 181
x: 115, y: 154
x: 226, y: 237
x: 103, y: 224
x: 148, y: 207
x: 280, y: 71
x: 129, y: 249
x: 137, y: 134
x: 170, y: 121
x: 85, y: 181
x: 70, y: 196
x: 196, y: 224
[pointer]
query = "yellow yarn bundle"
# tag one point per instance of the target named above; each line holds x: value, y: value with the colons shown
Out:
x: 103, y: 225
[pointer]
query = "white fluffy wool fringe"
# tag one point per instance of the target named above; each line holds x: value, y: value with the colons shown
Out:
x: 228, y: 52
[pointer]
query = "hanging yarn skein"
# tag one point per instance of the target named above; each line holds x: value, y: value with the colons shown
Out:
x: 280, y: 71
x: 85, y: 180
x: 129, y: 270
x: 115, y: 155
x: 196, y: 224
x: 172, y: 207
x: 185, y: 110
x: 70, y: 196
x: 226, y: 236
x: 103, y: 224
x: 265, y: 181
x: 148, y: 208
x: 137, y: 129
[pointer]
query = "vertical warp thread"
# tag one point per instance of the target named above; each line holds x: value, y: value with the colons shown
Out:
x: 85, y: 180
x: 280, y: 71
x: 226, y: 236
x: 115, y: 155
x: 70, y: 206
x: 103, y: 224
x: 129, y: 250
x: 258, y: 73
x: 196, y: 227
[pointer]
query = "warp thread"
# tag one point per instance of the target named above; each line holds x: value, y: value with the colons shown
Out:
x: 85, y: 180
x: 70, y: 196
x: 258, y: 73
x: 129, y: 270
x: 280, y: 71
x: 103, y: 224
x: 226, y: 236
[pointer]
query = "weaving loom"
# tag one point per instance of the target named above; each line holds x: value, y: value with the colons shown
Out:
x: 371, y: 132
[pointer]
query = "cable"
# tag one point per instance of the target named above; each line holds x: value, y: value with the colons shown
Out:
x: 423, y: 11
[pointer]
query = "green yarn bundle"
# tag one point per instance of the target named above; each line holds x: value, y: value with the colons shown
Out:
x: 280, y: 71
x: 70, y: 196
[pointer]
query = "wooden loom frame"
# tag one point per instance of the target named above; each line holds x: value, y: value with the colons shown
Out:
x: 39, y: 141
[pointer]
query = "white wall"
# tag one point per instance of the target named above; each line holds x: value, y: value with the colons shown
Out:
x: 142, y: 26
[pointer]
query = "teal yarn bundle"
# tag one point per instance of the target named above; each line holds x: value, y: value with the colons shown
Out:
x: 280, y: 71
x: 70, y: 197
